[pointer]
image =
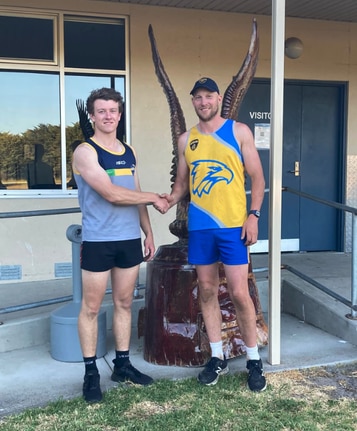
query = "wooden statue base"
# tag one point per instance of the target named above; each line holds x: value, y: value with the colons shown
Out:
x: 171, y: 322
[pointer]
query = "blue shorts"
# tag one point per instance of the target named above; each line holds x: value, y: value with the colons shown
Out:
x: 102, y: 256
x: 217, y: 245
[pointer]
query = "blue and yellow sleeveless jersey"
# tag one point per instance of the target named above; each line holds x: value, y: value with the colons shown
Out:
x: 101, y: 220
x: 216, y: 179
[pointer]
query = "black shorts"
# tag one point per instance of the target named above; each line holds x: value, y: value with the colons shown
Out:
x: 102, y: 256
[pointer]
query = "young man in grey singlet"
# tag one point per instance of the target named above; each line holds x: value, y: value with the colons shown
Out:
x: 113, y: 214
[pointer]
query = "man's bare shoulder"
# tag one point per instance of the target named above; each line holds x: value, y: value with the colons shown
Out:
x: 183, y: 139
x: 83, y: 148
x: 84, y: 154
x: 184, y: 135
x: 242, y: 131
x: 241, y: 126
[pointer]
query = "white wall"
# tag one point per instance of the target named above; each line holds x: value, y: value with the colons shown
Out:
x: 192, y: 43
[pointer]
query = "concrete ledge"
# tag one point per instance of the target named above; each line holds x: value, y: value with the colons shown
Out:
x: 299, y: 299
x: 310, y: 305
x: 34, y: 330
x: 25, y: 332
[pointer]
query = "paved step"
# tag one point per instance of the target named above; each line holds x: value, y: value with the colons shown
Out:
x: 34, y: 329
x: 310, y: 305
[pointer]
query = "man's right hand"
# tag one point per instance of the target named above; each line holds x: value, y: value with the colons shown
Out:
x: 161, y: 204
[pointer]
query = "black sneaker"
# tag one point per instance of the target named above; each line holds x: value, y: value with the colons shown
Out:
x: 127, y: 373
x: 91, y: 387
x: 212, y: 371
x: 256, y: 379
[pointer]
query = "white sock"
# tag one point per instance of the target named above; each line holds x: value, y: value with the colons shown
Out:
x: 217, y: 349
x: 252, y: 353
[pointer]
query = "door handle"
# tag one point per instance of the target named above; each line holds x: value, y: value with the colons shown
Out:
x: 296, y: 170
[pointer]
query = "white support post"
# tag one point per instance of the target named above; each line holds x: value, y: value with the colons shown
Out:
x: 275, y: 186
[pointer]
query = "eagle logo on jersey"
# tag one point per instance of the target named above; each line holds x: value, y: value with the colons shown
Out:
x: 206, y: 173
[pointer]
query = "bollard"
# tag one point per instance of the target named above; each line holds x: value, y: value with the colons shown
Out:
x: 65, y: 344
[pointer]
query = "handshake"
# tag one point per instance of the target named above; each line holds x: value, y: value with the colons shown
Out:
x: 163, y: 202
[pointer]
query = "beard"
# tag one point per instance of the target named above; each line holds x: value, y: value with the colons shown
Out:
x: 207, y: 116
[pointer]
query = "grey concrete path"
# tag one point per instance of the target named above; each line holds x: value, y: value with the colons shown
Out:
x: 31, y: 377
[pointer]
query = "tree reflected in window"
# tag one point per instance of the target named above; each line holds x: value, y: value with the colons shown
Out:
x: 35, y: 148
x: 30, y: 106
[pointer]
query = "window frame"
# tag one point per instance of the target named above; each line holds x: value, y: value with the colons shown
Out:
x: 58, y: 66
x: 48, y: 16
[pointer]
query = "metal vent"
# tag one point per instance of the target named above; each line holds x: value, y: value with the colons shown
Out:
x: 63, y: 270
x: 10, y: 272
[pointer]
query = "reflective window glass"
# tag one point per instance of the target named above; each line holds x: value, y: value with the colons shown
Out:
x: 30, y: 138
x: 26, y: 38
x: 34, y: 152
x: 94, y: 45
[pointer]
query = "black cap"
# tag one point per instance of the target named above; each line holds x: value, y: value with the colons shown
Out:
x: 207, y: 84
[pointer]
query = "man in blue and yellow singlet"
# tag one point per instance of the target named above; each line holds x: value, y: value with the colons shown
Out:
x: 213, y: 158
x: 113, y: 214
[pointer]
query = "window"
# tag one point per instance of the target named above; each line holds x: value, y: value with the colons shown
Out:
x: 27, y: 38
x: 39, y: 125
x: 94, y: 45
x: 30, y: 106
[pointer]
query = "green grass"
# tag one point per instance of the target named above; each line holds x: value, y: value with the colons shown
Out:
x: 293, y: 401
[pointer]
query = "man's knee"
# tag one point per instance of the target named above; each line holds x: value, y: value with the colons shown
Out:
x: 241, y: 298
x: 90, y: 310
x: 123, y: 303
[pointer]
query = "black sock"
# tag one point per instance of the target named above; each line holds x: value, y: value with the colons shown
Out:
x: 121, y: 356
x: 90, y: 363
